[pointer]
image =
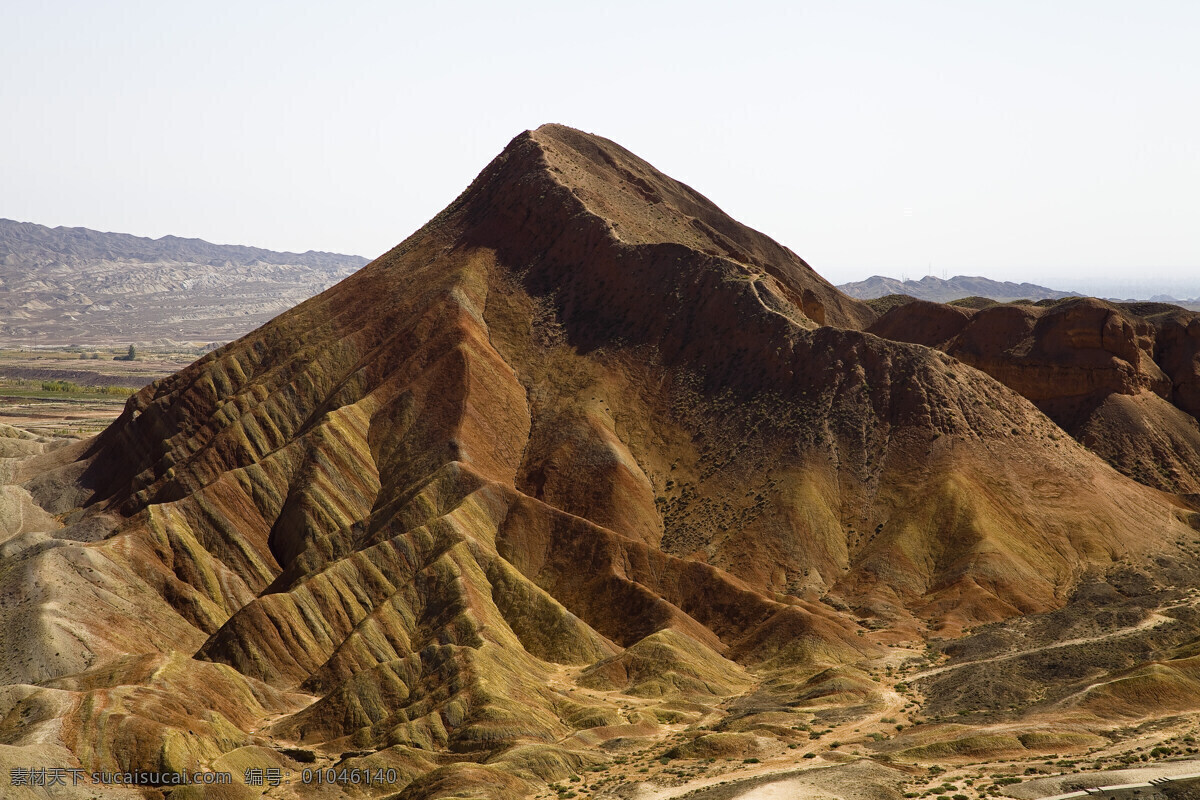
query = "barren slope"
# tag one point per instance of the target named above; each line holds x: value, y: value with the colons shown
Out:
x: 572, y: 466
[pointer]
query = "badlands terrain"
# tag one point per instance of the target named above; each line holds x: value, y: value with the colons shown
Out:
x: 64, y: 286
x: 587, y: 490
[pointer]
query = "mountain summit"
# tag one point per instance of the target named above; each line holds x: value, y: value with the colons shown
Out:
x: 582, y: 467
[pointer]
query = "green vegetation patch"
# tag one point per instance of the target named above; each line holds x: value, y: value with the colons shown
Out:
x: 51, y: 389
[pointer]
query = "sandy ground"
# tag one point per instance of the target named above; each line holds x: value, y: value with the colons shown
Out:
x: 66, y: 418
x: 853, y: 734
x: 1151, y: 621
x: 49, y: 414
x: 1062, y: 784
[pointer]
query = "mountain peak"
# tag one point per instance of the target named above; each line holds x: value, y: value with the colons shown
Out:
x: 579, y: 463
x: 558, y: 198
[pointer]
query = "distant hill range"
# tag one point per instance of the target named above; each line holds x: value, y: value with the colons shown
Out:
x: 63, y: 286
x: 940, y: 290
x: 1193, y: 304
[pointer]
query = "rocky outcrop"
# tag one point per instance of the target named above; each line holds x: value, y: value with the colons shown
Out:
x: 1177, y: 348
x: 1123, y: 383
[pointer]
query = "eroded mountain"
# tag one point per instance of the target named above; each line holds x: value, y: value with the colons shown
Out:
x: 581, y: 474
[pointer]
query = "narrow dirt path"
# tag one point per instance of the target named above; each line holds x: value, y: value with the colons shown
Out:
x: 1152, y: 621
x: 792, y: 762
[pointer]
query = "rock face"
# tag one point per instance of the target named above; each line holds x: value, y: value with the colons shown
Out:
x: 1121, y: 379
x: 580, y: 445
x: 78, y: 286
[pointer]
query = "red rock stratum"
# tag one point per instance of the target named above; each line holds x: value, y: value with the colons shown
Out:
x: 1122, y: 379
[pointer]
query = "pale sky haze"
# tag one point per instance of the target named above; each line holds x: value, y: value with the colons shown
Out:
x: 1054, y: 142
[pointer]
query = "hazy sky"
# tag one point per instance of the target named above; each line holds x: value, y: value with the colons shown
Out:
x: 1057, y: 142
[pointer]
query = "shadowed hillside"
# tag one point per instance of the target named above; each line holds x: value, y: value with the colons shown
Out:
x: 1122, y: 379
